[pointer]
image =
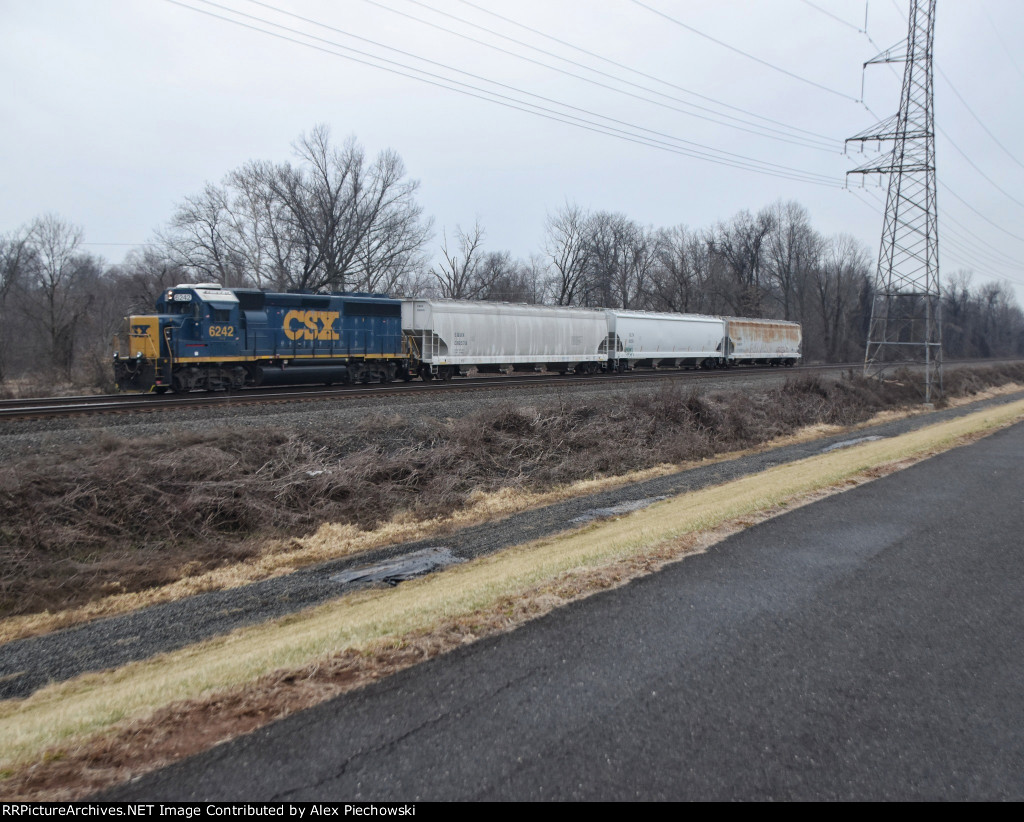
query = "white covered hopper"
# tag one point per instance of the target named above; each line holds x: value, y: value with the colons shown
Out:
x: 644, y: 337
x: 469, y: 333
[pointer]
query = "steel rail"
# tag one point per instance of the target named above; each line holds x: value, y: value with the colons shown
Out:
x: 48, y: 407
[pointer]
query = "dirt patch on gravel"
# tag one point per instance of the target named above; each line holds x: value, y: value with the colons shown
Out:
x: 127, y: 516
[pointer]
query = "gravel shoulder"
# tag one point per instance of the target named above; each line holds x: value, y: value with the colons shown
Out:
x: 33, y: 437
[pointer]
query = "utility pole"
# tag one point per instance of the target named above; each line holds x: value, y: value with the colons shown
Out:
x: 906, y: 315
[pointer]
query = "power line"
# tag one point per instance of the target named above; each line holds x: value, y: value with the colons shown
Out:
x: 978, y: 120
x: 857, y: 29
x: 949, y: 218
x: 992, y: 182
x: 986, y: 219
x: 641, y: 73
x: 973, y: 255
x: 835, y: 17
x: 760, y: 132
x: 700, y: 152
x: 963, y: 250
x: 746, y: 54
x: 698, y: 146
x: 996, y: 258
x: 1002, y: 42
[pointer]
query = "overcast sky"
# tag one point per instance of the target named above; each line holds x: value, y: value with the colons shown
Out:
x: 115, y: 110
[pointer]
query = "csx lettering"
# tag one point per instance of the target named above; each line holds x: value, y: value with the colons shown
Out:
x: 311, y: 325
x: 140, y: 330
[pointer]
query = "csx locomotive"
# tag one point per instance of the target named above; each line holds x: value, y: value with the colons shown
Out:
x: 204, y: 336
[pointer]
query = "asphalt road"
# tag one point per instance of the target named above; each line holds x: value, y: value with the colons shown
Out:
x: 865, y: 647
x: 28, y: 664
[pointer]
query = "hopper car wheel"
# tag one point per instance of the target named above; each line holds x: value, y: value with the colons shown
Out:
x: 446, y: 373
x: 160, y: 389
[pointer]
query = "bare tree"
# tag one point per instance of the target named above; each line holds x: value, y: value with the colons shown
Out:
x: 15, y: 256
x: 332, y: 221
x: 741, y: 245
x: 203, y: 240
x: 839, y: 281
x: 393, y: 231
x: 57, y: 295
x: 362, y: 221
x: 567, y: 245
x: 634, y: 284
x: 261, y: 231
x: 672, y: 280
x: 458, y: 274
x: 792, y: 251
x: 145, y: 273
x: 957, y: 314
x: 505, y: 279
x: 620, y: 260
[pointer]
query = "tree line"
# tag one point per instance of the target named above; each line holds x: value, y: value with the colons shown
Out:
x: 335, y: 219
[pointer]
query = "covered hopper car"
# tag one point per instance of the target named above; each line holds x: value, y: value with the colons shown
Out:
x: 761, y: 342
x: 655, y: 340
x: 452, y: 336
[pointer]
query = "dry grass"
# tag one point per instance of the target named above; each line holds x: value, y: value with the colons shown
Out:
x: 334, y: 540
x: 139, y: 516
x: 329, y: 541
x: 145, y: 521
x: 72, y: 716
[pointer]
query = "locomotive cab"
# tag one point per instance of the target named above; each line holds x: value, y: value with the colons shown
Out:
x: 195, y: 324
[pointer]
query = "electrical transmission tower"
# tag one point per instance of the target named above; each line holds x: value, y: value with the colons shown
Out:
x: 906, y: 320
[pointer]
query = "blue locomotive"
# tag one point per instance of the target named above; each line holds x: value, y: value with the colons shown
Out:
x: 204, y: 336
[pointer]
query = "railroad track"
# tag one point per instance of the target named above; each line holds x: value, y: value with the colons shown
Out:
x: 37, y: 408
